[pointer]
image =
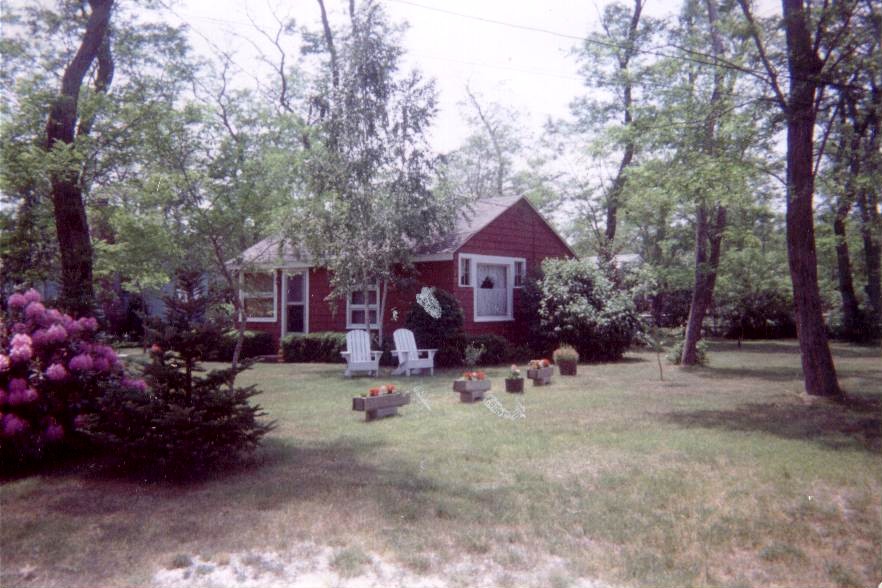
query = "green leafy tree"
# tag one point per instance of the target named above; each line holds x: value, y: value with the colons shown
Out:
x: 369, y: 168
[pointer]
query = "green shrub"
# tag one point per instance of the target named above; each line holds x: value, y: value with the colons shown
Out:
x: 676, y: 352
x: 565, y: 353
x: 255, y: 344
x: 497, y: 350
x: 766, y: 314
x: 323, y: 347
x: 472, y: 354
x: 579, y: 306
x: 444, y: 333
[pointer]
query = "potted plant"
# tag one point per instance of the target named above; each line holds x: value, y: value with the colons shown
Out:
x: 515, y: 381
x: 471, y: 386
x: 567, y: 359
x: 380, y: 401
x: 540, y: 371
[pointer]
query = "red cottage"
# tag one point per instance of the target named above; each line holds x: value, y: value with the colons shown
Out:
x: 483, y: 263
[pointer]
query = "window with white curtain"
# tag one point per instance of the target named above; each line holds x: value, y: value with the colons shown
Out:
x: 492, y: 279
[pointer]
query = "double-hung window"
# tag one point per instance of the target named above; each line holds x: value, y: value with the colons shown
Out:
x: 363, y: 308
x: 259, y: 296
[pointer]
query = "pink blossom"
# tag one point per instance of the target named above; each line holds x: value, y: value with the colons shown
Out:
x: 2, y: 396
x: 80, y: 363
x: 56, y: 372
x: 17, y: 385
x: 19, y: 328
x: 138, y: 385
x: 13, y: 425
x: 21, y: 340
x: 55, y: 315
x: 54, y: 431
x: 35, y: 310
x: 32, y: 296
x: 40, y: 338
x: 100, y: 364
x: 17, y: 301
x: 21, y: 354
x: 57, y: 334
x: 4, y: 363
x: 30, y: 395
x: 88, y: 323
x: 72, y: 326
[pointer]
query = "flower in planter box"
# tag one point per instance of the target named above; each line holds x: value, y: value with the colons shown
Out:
x: 480, y: 376
x: 515, y: 373
x: 546, y: 363
x: 383, y: 390
x: 390, y: 388
x: 535, y: 364
x: 467, y: 376
x: 375, y: 391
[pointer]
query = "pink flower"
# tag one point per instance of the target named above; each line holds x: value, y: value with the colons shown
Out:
x: 70, y: 325
x: 32, y: 296
x: 35, y: 311
x: 17, y: 385
x: 30, y: 395
x: 80, y: 363
x: 4, y: 363
x: 17, y: 301
x: 55, y: 315
x: 88, y: 323
x: 21, y: 354
x: 56, y: 334
x: 40, y: 338
x: 21, y: 340
x: 56, y: 372
x: 2, y: 396
x: 12, y: 425
x: 54, y: 431
x: 100, y: 364
x: 19, y: 328
x: 139, y: 385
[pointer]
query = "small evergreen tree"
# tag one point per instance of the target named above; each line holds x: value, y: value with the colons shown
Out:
x: 184, y: 423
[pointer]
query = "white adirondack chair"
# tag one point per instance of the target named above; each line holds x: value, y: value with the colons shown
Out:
x: 358, y: 354
x: 409, y: 357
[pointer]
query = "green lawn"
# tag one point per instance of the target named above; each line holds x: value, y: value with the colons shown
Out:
x: 721, y: 476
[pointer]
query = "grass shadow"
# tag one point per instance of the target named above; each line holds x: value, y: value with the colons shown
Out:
x: 853, y: 424
x: 791, y: 347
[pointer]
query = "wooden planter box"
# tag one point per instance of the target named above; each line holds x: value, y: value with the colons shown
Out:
x: 515, y: 386
x: 567, y: 368
x: 377, y: 407
x: 471, y: 390
x: 541, y: 376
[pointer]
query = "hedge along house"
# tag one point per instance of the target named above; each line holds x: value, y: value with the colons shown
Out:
x: 483, y: 263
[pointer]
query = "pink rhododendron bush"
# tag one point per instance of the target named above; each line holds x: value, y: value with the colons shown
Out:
x: 52, y: 371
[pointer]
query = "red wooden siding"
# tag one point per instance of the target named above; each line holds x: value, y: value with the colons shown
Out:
x: 517, y: 232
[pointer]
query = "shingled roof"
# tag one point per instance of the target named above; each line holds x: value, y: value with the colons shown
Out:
x: 278, y: 252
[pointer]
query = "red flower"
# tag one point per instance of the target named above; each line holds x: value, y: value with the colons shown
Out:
x: 390, y: 388
x: 375, y: 391
x: 467, y: 375
x: 480, y: 375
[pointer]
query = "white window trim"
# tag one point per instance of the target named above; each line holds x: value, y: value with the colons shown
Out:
x: 366, y: 307
x: 523, y: 277
x: 242, y: 296
x: 285, y: 274
x: 468, y: 260
x: 474, y: 260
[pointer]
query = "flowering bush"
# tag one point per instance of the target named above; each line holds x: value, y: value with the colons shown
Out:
x: 52, y: 370
x: 535, y: 364
x: 380, y: 390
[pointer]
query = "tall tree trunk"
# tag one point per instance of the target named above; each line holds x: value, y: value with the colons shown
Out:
x: 804, y: 66
x: 871, y: 225
x: 851, y: 313
x: 706, y: 266
x: 614, y: 196
x: 71, y: 225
